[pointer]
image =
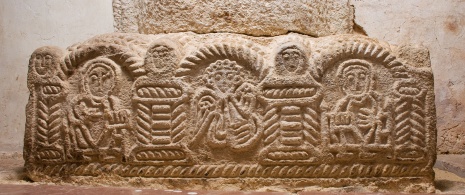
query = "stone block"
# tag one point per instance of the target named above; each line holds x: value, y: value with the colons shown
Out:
x: 213, y: 110
x: 251, y: 17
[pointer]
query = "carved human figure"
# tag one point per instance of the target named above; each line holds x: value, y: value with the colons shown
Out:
x: 98, y: 120
x: 226, y: 109
x: 359, y: 117
x: 49, y: 95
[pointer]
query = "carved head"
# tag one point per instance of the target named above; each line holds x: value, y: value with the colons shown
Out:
x: 291, y: 59
x: 162, y: 56
x: 46, y: 60
x: 99, y: 79
x: 355, y: 77
x: 224, y: 75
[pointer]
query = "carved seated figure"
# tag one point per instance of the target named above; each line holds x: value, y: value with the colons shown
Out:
x: 358, y: 119
x: 100, y: 126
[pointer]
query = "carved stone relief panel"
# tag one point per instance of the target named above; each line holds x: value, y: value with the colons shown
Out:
x: 338, y: 110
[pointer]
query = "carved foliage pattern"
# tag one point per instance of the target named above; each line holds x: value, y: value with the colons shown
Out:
x: 50, y: 123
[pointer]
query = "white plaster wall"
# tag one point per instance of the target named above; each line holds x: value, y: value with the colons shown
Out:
x: 440, y: 26
x: 26, y: 25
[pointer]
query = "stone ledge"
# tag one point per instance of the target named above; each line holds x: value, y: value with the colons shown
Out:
x: 454, y: 163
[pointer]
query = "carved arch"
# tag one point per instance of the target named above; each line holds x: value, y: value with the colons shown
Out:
x: 244, y: 55
x: 345, y: 48
x: 122, y: 56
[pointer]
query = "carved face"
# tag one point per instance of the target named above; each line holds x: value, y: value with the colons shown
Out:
x: 291, y: 59
x: 42, y: 63
x: 224, y: 75
x: 356, y: 80
x: 162, y: 57
x: 100, y: 80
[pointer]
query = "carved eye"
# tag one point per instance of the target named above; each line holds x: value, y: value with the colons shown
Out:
x: 105, y: 76
x: 237, y: 78
x: 296, y: 54
x: 286, y: 56
x: 93, y: 77
x: 350, y: 77
x: 362, y: 76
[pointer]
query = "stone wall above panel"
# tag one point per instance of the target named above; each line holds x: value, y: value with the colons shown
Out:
x: 250, y: 17
x: 340, y: 110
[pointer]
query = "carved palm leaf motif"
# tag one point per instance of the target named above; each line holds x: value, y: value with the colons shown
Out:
x: 410, y: 124
x: 49, y: 122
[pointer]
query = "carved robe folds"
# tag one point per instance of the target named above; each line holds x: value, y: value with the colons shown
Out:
x: 187, y: 106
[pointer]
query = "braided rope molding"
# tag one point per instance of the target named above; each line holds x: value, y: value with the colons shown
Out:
x: 159, y: 92
x: 235, y: 171
x: 293, y: 92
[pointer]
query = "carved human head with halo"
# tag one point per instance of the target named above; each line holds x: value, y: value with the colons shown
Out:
x: 355, y: 77
x: 99, y: 79
x: 224, y: 75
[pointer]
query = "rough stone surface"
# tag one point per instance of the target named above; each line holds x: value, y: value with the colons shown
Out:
x: 251, y: 17
x: 440, y: 27
x: 189, y: 110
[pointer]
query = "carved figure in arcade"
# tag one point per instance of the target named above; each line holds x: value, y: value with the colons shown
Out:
x: 100, y: 125
x: 359, y: 118
x: 292, y: 117
x: 226, y: 109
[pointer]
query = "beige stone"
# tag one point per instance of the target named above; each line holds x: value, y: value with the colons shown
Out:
x: 251, y: 17
x: 208, y: 111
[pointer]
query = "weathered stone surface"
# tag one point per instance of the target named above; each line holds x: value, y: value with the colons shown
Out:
x: 199, y: 111
x: 251, y: 17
